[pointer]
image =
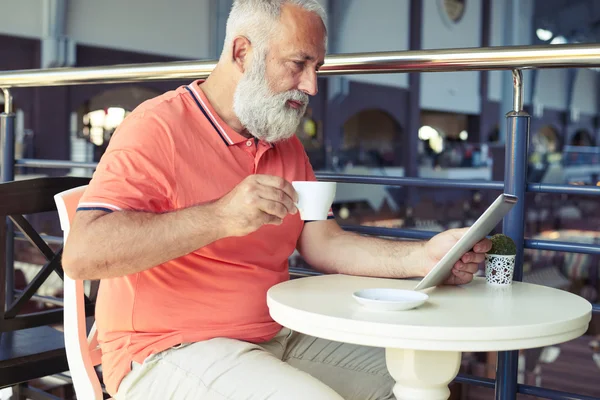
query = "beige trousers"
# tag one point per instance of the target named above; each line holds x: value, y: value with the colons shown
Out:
x: 291, y: 366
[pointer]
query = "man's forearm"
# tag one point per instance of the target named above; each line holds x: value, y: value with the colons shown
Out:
x: 122, y: 243
x: 352, y: 254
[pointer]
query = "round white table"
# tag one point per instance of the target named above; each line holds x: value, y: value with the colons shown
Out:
x: 424, y: 345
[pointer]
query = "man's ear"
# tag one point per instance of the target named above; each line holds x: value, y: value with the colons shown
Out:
x: 240, y: 52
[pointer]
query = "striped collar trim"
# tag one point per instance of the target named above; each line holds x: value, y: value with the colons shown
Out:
x: 192, y: 88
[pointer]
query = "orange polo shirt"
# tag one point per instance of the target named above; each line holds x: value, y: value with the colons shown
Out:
x: 175, y: 152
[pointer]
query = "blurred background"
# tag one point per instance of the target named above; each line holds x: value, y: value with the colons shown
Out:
x: 434, y: 125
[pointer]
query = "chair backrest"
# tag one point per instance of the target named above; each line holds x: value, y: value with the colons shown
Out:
x: 83, y: 352
x: 22, y: 207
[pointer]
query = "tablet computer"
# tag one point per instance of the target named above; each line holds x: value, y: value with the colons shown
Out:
x: 479, y: 230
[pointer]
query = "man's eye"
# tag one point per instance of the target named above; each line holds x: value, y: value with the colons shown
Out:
x: 299, y: 64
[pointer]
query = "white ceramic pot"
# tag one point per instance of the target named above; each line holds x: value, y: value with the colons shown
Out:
x: 499, y: 269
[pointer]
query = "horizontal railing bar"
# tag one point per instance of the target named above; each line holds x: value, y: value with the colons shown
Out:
x: 47, y: 238
x: 30, y: 162
x: 45, y: 299
x: 551, y: 394
x: 441, y: 60
x: 581, y: 149
x: 25, y: 321
x: 475, y: 381
x: 401, y: 181
x: 33, y: 393
x: 125, y: 73
x: 521, y: 388
x: 63, y: 377
x: 390, y: 232
x: 563, y: 189
x: 390, y: 181
x: 424, y: 235
x: 418, y: 234
x: 341, y: 178
x: 567, y: 247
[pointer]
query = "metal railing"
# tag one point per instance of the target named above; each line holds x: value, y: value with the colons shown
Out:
x: 447, y: 60
x: 473, y: 59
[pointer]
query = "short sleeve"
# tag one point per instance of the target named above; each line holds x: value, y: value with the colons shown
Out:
x: 310, y: 176
x: 136, y: 171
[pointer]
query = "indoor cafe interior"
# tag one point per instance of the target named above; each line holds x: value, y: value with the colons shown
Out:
x: 422, y: 112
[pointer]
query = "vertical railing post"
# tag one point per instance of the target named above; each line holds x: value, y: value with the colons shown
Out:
x: 515, y: 178
x: 515, y: 172
x: 7, y: 173
x: 7, y: 139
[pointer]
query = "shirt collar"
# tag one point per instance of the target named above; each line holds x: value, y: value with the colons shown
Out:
x: 229, y: 136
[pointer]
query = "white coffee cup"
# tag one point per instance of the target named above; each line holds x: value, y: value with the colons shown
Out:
x: 314, y: 199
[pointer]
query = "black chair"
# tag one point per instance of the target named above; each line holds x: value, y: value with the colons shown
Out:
x: 29, y: 347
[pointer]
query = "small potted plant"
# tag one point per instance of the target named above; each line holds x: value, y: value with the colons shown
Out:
x: 500, y: 260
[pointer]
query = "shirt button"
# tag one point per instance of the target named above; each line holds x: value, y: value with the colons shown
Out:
x: 249, y: 143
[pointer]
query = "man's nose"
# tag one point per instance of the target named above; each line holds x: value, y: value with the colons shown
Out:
x: 308, y: 83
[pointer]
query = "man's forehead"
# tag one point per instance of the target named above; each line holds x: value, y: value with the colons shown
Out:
x: 300, y: 43
x: 303, y: 29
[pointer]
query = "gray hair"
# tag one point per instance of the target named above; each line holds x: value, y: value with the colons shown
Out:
x: 256, y: 19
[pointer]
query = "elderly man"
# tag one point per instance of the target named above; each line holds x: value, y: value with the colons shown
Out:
x: 190, y: 219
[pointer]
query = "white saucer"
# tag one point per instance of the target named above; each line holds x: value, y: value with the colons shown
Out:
x: 390, y: 299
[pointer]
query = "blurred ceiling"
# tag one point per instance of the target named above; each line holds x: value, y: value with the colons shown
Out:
x: 575, y: 20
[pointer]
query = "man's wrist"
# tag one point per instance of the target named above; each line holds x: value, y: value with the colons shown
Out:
x: 418, y: 258
x: 214, y: 221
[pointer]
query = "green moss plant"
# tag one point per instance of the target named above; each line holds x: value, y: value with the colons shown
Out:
x: 502, y: 245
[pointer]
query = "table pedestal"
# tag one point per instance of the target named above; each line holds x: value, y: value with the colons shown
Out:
x: 422, y: 375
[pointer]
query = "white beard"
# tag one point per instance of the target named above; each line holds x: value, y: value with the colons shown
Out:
x: 264, y: 114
